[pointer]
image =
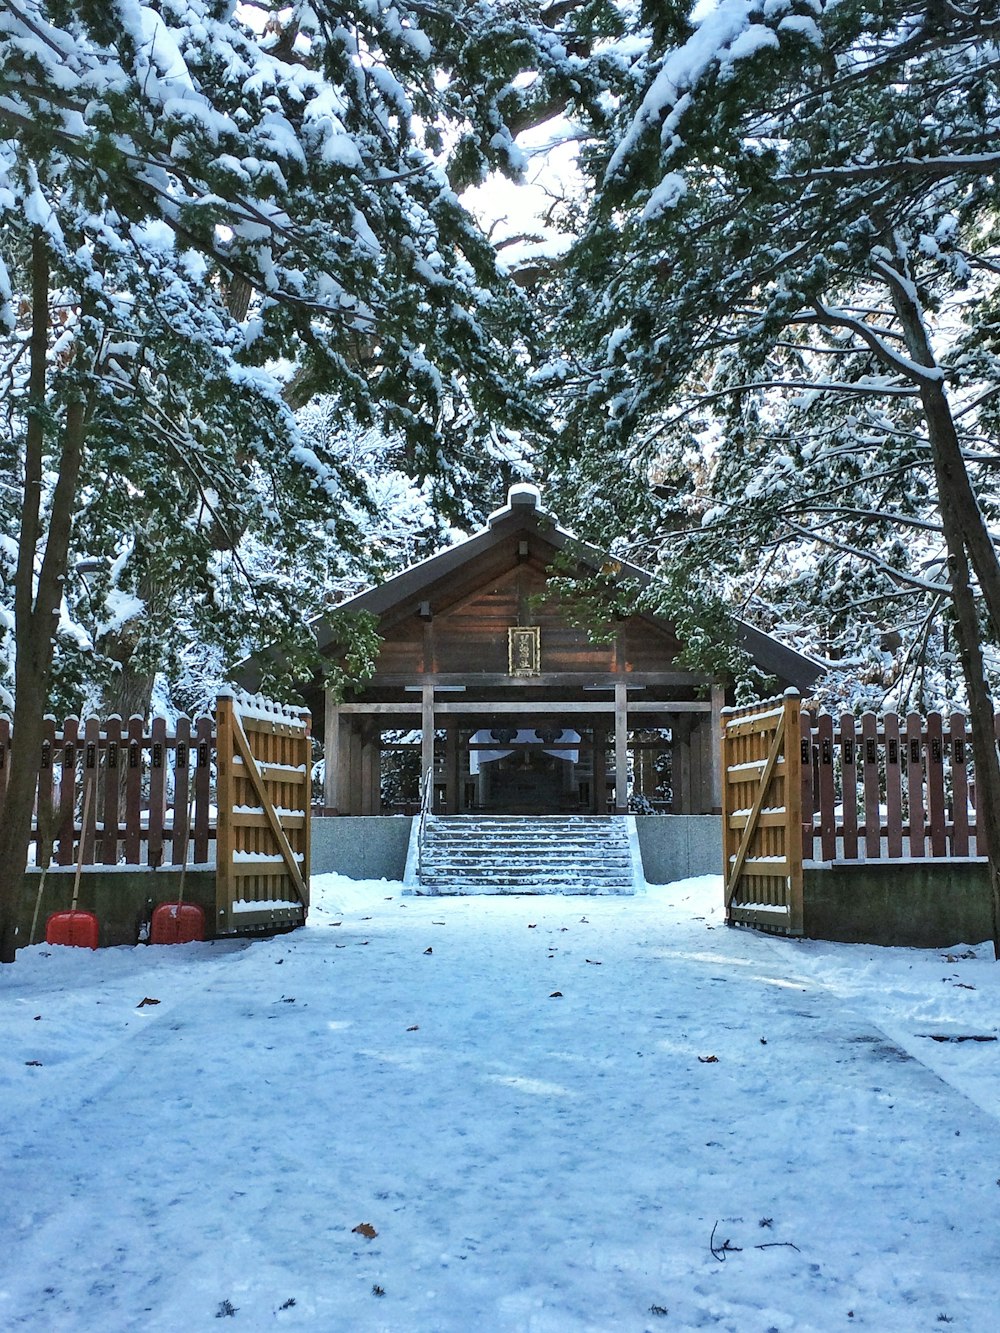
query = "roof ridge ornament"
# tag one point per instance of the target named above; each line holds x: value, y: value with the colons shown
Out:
x: 522, y: 495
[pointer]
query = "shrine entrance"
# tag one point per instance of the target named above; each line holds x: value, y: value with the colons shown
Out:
x: 528, y: 771
x: 487, y: 691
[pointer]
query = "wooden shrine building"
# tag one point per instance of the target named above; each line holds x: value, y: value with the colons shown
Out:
x: 483, y: 681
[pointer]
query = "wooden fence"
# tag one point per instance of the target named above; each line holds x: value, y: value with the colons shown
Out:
x: 887, y: 787
x: 145, y: 790
x: 264, y: 785
x: 229, y: 793
x: 802, y: 786
x: 762, y: 815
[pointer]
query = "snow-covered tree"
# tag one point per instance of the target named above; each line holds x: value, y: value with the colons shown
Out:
x: 193, y: 192
x: 786, y: 296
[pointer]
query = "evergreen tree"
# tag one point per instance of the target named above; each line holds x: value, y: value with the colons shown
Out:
x: 790, y: 275
x: 193, y: 193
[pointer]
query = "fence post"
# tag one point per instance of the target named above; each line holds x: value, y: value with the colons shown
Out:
x: 224, y: 829
x: 202, y: 760
x: 959, y: 787
x: 307, y: 805
x: 67, y: 792
x: 793, y: 810
x: 935, y: 785
x: 827, y: 789
x: 806, y: 781
x: 849, y: 785
x: 91, y: 770
x: 182, y: 792
x: 915, y: 781
x: 46, y: 813
x: 112, y: 789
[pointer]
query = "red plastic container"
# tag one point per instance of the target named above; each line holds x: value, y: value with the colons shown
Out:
x: 177, y: 923
x: 76, y: 928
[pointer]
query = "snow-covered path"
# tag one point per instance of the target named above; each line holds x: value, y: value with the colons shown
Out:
x: 519, y: 1097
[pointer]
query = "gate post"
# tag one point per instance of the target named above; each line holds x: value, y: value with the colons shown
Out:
x: 224, y: 832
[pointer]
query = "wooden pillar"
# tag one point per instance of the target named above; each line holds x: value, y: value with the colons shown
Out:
x: 715, y: 750
x: 452, y: 786
x: 600, y: 770
x: 681, y: 765
x: 621, y: 747
x: 331, y: 748
x: 426, y: 734
x: 343, y: 760
x: 352, y: 803
x: 367, y: 755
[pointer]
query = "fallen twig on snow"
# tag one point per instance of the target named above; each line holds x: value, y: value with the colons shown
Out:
x: 727, y: 1247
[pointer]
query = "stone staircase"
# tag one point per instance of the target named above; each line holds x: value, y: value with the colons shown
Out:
x: 473, y: 854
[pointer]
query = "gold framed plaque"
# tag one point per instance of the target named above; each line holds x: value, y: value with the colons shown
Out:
x: 524, y: 649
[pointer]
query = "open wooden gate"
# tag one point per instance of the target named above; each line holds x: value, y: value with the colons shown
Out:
x: 263, y: 786
x: 762, y: 814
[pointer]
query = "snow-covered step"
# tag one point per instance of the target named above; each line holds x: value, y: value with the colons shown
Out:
x: 578, y: 854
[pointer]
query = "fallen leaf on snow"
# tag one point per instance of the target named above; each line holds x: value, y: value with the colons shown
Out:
x: 146, y: 999
x: 556, y: 995
x: 365, y: 1229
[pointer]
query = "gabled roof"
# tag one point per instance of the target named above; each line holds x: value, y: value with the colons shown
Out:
x: 523, y: 513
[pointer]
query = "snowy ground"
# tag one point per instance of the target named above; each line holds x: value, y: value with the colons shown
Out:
x: 546, y: 1112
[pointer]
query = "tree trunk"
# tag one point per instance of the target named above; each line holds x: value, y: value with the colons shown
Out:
x: 36, y: 610
x: 949, y: 464
x: 969, y: 542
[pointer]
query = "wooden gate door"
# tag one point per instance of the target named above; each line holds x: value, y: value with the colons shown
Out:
x: 762, y: 815
x: 263, y: 785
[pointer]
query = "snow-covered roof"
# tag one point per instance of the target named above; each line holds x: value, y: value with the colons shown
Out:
x: 524, y: 511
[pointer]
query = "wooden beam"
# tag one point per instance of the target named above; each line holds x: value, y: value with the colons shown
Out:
x: 426, y: 731
x: 542, y: 707
x: 621, y: 746
x: 715, y: 746
x: 331, y: 749
x: 568, y: 680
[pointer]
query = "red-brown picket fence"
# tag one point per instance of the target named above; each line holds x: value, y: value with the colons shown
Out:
x: 887, y: 786
x: 145, y: 785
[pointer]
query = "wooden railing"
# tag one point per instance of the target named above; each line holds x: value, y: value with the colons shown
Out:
x: 887, y: 787
x: 144, y: 784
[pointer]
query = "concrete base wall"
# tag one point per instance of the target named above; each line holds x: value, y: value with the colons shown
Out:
x: 928, y: 905
x: 374, y: 847
x: 678, y: 846
x: 361, y: 846
x: 122, y: 900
